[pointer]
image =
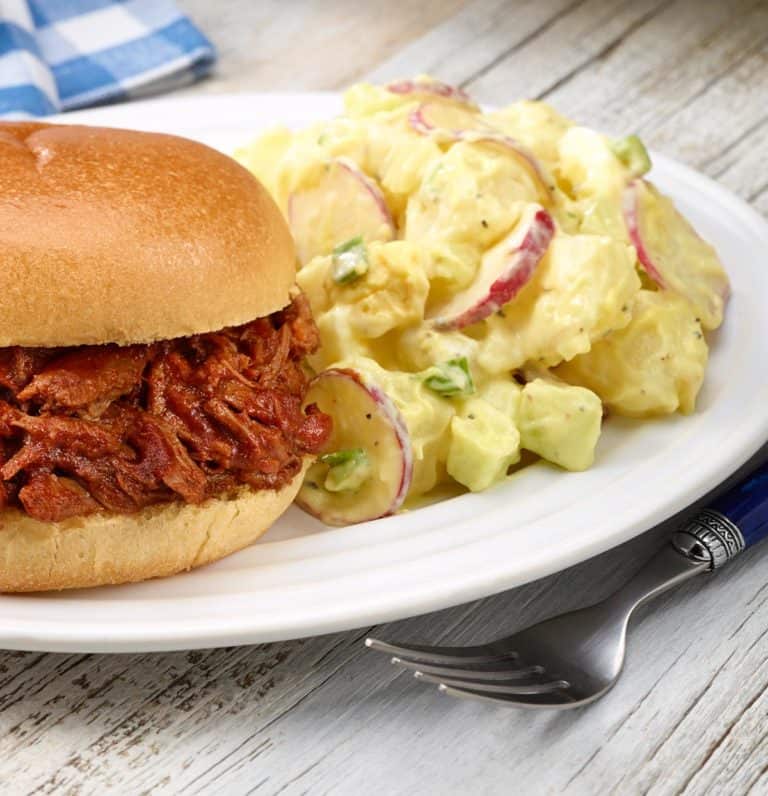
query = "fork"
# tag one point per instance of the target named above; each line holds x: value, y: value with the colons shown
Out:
x: 574, y: 658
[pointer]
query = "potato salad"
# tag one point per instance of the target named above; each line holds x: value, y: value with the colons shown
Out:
x: 484, y: 284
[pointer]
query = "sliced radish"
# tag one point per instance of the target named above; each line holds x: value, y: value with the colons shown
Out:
x: 449, y: 124
x: 504, y: 271
x: 368, y: 469
x: 428, y: 87
x: 631, y: 219
x: 672, y: 253
x: 344, y: 203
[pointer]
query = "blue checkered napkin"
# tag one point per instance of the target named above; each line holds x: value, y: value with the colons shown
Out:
x: 57, y: 55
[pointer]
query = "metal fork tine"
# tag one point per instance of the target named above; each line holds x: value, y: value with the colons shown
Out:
x: 504, y: 670
x: 439, y: 655
x: 506, y: 687
x: 558, y: 699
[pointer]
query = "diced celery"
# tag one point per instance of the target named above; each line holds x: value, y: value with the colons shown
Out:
x: 450, y: 378
x: 631, y: 151
x: 347, y: 469
x: 350, y: 261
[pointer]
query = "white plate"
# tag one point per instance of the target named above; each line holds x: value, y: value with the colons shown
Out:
x: 304, y: 579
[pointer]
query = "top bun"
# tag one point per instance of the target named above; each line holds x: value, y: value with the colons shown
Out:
x: 115, y: 236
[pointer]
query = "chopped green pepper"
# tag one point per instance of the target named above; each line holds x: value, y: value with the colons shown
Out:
x: 450, y: 378
x: 349, y: 261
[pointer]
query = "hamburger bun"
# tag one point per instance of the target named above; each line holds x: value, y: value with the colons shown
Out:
x: 116, y: 236
x: 108, y: 549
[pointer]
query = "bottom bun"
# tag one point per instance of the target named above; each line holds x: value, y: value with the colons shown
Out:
x: 160, y: 540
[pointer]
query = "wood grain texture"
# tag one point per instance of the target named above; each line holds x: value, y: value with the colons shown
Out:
x: 277, y: 45
x: 323, y: 715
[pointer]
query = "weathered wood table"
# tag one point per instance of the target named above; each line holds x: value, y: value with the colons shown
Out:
x: 323, y: 715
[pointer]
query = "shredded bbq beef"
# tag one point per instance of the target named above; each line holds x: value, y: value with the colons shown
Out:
x: 103, y: 427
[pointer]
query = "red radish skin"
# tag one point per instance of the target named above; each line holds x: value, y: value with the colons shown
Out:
x: 372, y: 189
x: 630, y: 209
x: 632, y: 218
x: 404, y: 439
x: 434, y: 87
x: 400, y: 432
x: 518, y: 268
x: 352, y: 183
x: 419, y: 121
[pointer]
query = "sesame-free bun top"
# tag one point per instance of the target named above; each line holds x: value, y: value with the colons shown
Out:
x: 116, y: 236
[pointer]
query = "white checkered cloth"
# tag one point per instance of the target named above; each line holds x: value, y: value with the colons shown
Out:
x: 56, y: 55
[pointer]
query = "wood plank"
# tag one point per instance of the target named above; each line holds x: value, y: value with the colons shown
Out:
x: 743, y: 165
x: 114, y: 699
x: 760, y: 200
x: 589, y: 31
x: 666, y: 93
x: 465, y: 44
x: 275, y: 46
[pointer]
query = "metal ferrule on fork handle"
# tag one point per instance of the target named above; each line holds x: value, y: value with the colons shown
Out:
x: 735, y: 521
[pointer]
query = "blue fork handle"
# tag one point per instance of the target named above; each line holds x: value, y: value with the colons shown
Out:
x: 734, y: 521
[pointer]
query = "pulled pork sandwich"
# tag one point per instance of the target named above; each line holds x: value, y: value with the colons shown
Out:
x: 151, y: 348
